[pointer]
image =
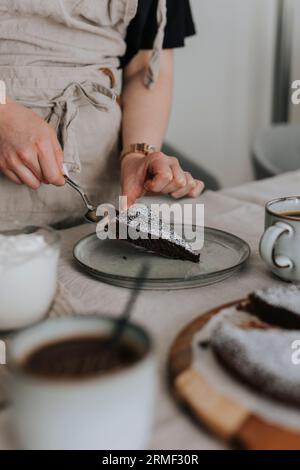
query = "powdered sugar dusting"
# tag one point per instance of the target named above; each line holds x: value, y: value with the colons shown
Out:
x: 283, y: 297
x: 261, y: 357
x: 147, y: 222
x: 226, y: 314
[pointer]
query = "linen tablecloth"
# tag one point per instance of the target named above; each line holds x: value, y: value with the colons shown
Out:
x: 238, y: 210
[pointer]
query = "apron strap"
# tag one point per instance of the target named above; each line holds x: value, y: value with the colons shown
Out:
x: 152, y: 73
x: 63, y: 110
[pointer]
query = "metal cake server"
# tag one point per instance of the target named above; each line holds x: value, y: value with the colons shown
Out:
x: 91, y: 215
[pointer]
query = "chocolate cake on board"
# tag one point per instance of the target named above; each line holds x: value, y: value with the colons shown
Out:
x: 255, y: 342
x: 261, y: 356
x: 278, y: 306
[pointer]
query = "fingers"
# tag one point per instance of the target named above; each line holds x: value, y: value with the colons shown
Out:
x: 29, y: 149
x: 133, y: 173
x: 17, y: 172
x: 189, y: 186
x: 192, y: 188
x: 198, y: 189
x: 178, y: 180
x: 132, y: 195
x: 30, y: 168
x: 160, y: 173
x: 165, y: 176
x: 26, y: 176
x: 51, y: 169
x: 12, y: 176
x: 132, y: 189
x: 30, y: 159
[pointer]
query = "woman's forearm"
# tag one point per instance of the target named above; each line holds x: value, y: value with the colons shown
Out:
x: 146, y: 112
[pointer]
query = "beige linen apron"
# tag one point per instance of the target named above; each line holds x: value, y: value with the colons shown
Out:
x: 51, y: 53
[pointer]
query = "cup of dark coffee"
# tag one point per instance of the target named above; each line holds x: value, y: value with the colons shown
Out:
x: 71, y: 391
x: 280, y: 244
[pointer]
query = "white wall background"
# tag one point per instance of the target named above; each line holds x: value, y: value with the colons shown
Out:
x: 295, y: 72
x: 223, y: 85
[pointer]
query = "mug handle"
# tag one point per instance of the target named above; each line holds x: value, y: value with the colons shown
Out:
x: 268, y: 244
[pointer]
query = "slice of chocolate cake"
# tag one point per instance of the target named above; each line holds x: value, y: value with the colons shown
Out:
x: 143, y: 228
x: 279, y: 306
x: 259, y: 355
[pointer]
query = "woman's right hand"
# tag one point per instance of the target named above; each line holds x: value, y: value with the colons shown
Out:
x: 30, y: 153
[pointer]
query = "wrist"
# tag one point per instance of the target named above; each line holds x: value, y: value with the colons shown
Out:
x: 137, y: 148
x: 132, y: 156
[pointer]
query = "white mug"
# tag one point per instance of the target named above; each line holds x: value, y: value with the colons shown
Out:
x: 110, y: 411
x: 280, y: 244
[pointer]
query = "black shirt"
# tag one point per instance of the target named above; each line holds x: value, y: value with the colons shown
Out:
x: 142, y: 29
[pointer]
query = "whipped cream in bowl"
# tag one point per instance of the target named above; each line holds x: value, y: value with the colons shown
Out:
x: 28, y: 274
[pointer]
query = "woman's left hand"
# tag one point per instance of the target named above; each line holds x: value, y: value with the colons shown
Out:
x: 156, y: 174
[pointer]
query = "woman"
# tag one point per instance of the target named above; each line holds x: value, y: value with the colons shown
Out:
x: 62, y: 63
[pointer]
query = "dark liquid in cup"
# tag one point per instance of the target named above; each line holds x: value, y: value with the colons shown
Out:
x: 80, y: 357
x: 294, y: 214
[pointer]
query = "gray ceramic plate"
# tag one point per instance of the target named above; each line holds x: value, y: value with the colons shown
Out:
x: 118, y: 262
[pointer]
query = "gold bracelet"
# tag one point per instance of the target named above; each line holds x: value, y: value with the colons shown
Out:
x: 142, y: 148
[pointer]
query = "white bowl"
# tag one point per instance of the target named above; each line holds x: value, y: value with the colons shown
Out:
x: 28, y: 282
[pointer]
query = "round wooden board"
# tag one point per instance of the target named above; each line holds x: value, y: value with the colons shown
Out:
x: 223, y: 417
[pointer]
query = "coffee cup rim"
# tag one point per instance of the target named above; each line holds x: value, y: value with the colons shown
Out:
x: 15, y: 364
x: 278, y: 214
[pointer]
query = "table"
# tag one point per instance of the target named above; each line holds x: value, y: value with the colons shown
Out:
x: 239, y: 210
